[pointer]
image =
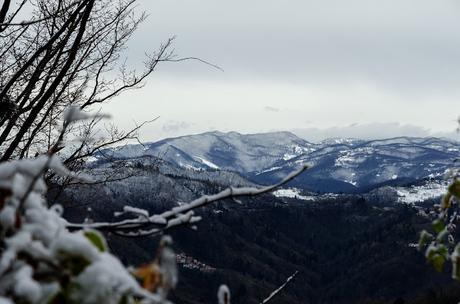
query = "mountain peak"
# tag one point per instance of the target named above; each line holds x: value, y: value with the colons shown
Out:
x: 339, y: 164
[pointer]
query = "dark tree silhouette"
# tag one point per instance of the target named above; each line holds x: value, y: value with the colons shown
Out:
x: 66, y: 54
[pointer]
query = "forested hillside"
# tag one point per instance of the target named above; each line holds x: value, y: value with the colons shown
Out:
x: 347, y: 248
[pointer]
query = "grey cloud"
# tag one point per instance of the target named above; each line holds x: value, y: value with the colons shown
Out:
x: 336, y: 61
x: 401, y: 45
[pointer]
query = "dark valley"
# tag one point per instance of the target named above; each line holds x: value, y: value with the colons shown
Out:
x: 355, y: 243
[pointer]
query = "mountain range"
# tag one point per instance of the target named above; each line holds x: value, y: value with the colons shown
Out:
x: 337, y: 165
x: 341, y: 224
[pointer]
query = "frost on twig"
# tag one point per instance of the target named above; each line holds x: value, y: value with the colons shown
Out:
x: 41, y: 261
x: 279, y: 289
x: 144, y: 224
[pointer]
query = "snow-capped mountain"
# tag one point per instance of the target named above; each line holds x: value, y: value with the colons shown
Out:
x: 338, y: 165
x: 358, y: 166
x: 232, y: 151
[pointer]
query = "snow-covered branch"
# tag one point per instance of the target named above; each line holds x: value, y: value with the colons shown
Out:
x: 41, y: 261
x: 278, y: 290
x: 145, y: 224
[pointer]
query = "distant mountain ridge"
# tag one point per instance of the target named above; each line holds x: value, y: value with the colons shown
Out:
x: 255, y: 243
x: 217, y: 150
x: 338, y: 165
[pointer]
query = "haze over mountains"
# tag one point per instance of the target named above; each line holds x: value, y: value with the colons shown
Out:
x: 338, y: 165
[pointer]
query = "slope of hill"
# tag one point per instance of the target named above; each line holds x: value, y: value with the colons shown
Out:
x: 226, y: 151
x: 349, y: 248
x: 359, y: 166
x: 338, y: 165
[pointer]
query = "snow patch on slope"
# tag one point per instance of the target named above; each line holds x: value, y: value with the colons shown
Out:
x: 269, y: 170
x: 208, y: 163
x: 292, y: 193
x: 415, y: 194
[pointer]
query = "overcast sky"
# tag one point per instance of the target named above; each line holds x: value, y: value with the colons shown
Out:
x: 322, y: 68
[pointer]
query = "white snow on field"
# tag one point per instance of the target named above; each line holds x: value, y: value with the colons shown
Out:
x: 414, y: 194
x: 292, y: 193
x: 207, y: 163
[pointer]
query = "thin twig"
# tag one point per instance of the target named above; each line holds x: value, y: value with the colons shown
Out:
x: 196, y: 59
x: 278, y: 290
x: 135, y: 227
